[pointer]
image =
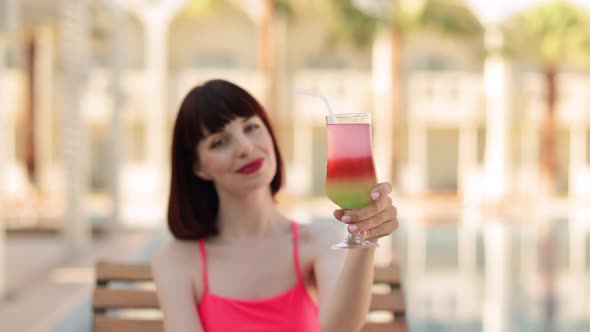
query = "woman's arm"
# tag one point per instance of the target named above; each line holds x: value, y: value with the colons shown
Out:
x: 344, y: 285
x: 345, y: 277
x: 175, y: 290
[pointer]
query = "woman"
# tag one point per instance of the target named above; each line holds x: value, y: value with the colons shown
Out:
x: 236, y: 263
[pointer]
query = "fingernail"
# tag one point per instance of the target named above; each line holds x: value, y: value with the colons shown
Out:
x: 375, y: 195
x: 352, y: 228
x: 346, y: 219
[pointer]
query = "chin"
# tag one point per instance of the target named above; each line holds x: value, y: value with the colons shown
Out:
x: 243, y: 186
x: 258, y: 183
x: 250, y: 189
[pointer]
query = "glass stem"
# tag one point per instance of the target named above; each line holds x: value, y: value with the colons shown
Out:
x: 355, y: 238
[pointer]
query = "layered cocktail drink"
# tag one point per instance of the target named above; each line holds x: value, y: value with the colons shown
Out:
x: 350, y: 175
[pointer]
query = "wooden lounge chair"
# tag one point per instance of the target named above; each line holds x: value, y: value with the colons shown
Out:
x: 125, y: 300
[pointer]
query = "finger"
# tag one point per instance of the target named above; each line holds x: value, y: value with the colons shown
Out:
x: 385, y: 229
x: 381, y: 189
x: 338, y: 214
x: 372, y: 222
x: 378, y: 205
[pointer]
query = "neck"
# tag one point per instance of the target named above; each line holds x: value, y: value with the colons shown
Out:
x: 248, y: 216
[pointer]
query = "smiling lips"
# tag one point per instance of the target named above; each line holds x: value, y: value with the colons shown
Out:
x: 251, y: 167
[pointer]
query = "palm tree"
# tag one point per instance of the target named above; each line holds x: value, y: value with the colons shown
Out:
x: 201, y: 7
x: 551, y: 34
x: 30, y: 109
x: 359, y: 21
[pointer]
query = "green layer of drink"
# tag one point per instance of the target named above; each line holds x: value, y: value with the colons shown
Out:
x: 350, y: 194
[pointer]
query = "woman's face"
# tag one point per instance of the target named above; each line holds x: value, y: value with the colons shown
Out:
x: 239, y: 158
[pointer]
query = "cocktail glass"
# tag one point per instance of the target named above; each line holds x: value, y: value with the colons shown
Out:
x: 350, y: 176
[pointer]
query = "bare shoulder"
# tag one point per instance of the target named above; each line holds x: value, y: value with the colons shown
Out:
x: 174, y: 256
x: 321, y: 235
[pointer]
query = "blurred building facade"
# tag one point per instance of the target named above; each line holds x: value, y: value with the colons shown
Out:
x: 443, y: 122
x: 121, y: 144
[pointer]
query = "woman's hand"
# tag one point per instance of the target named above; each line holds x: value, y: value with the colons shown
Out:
x: 375, y: 220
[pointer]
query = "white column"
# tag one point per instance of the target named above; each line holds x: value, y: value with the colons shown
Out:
x: 497, y: 101
x: 8, y: 129
x: 300, y: 178
x: 496, y: 73
x: 416, y: 174
x: 155, y: 17
x: 381, y: 77
x: 467, y: 156
x: 577, y: 162
x: 74, y: 55
x: 118, y: 38
x: 3, y: 97
x: 9, y: 20
x: 283, y: 88
x: 529, y: 173
x: 495, y: 306
x: 44, y: 81
x: 156, y: 35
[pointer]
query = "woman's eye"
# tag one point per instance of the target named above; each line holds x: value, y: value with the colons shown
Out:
x: 218, y: 142
x: 251, y: 127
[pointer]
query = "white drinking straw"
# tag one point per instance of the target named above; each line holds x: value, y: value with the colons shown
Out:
x: 313, y: 94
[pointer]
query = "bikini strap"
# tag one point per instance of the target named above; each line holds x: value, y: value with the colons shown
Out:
x: 204, y: 265
x: 295, y: 229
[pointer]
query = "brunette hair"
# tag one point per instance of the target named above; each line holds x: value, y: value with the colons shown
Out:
x: 193, y: 203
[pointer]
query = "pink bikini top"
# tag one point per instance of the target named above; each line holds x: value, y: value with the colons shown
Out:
x: 292, y: 310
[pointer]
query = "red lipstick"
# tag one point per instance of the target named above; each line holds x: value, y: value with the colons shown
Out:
x: 251, y: 167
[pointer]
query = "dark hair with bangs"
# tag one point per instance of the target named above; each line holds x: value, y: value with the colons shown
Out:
x: 193, y: 203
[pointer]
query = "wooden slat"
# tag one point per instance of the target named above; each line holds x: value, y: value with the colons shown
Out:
x: 395, y: 326
x: 387, y: 274
x: 111, y: 271
x: 113, y: 324
x: 393, y: 301
x: 105, y: 298
x: 111, y: 298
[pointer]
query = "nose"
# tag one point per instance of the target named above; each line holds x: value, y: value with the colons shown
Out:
x: 244, y: 146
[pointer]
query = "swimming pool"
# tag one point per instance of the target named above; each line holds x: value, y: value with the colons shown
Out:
x: 465, y: 272
x: 471, y: 273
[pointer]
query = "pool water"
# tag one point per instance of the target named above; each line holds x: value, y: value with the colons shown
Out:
x: 467, y: 274
x: 464, y: 272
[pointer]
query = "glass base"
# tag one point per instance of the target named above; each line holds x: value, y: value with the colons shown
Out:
x: 355, y: 241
